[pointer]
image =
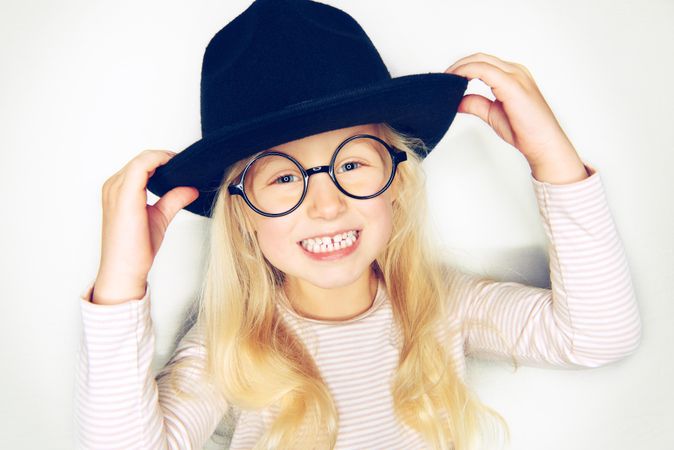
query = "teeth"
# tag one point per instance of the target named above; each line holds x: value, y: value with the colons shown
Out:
x: 328, y: 244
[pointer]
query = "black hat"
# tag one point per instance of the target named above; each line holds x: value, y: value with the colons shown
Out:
x: 285, y: 69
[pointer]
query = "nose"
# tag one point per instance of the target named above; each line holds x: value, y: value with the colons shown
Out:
x: 323, y: 199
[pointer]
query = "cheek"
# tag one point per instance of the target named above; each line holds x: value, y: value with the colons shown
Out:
x: 274, y: 240
x: 376, y: 215
x: 379, y: 220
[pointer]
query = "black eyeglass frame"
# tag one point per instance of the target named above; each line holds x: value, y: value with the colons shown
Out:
x: 397, y: 156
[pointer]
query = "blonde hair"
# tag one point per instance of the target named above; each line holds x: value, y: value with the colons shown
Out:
x: 256, y: 361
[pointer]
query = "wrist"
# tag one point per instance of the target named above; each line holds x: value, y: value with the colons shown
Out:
x: 109, y: 292
x: 564, y: 168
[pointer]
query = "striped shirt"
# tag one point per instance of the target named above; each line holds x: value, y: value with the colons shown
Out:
x: 589, y: 317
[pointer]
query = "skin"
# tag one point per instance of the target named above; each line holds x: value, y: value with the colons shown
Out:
x: 337, y: 289
x: 133, y: 231
x: 521, y: 117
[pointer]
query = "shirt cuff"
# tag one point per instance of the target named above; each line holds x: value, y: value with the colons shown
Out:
x: 85, y: 295
x: 591, y: 179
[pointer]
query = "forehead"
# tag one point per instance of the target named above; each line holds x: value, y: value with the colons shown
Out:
x: 322, y: 143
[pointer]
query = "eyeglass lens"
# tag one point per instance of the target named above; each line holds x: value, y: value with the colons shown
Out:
x: 275, y: 184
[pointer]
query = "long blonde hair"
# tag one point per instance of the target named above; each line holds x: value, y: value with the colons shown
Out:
x: 256, y: 361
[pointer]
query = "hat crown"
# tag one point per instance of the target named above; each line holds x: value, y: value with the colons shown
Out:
x: 285, y: 69
x: 279, y: 53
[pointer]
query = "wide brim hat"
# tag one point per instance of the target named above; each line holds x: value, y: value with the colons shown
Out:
x: 286, y: 69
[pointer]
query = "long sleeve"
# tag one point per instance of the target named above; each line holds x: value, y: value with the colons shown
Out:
x: 589, y: 317
x: 118, y: 401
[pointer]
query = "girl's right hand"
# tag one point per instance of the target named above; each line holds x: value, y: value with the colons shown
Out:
x: 133, y: 230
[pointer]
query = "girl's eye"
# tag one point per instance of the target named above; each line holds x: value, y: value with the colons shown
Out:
x: 349, y: 166
x: 284, y: 179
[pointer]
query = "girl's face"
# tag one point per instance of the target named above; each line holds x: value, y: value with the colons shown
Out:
x: 326, y: 211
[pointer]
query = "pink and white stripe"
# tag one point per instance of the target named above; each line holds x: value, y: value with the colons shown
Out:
x: 588, y: 318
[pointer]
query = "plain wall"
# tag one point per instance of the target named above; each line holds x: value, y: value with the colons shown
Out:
x: 87, y: 85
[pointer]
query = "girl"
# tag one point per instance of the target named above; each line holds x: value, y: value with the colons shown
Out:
x: 326, y: 318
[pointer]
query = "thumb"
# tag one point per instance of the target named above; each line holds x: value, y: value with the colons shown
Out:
x: 476, y: 105
x: 175, y: 200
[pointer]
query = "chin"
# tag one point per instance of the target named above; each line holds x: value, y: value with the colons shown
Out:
x: 324, y: 275
x: 328, y: 278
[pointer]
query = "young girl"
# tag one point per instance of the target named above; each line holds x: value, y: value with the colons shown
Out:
x: 326, y: 318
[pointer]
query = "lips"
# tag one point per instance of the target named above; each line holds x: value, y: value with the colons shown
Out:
x: 329, y: 251
x: 330, y: 234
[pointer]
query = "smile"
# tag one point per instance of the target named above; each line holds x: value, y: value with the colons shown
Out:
x: 334, y: 247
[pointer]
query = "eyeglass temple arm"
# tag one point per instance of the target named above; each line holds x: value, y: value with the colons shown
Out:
x: 235, y: 189
x: 399, y: 156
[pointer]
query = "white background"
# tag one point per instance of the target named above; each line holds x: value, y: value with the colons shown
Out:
x: 86, y: 85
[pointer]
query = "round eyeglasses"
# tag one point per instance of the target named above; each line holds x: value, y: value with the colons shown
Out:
x: 274, y: 184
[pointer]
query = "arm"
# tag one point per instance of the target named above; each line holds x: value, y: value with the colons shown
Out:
x: 119, y: 403
x: 588, y: 318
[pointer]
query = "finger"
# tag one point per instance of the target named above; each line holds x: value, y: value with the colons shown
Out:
x: 505, y: 66
x: 174, y: 200
x: 476, y: 105
x: 499, y: 81
x: 143, y: 166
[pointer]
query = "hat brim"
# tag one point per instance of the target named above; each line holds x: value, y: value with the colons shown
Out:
x: 421, y: 105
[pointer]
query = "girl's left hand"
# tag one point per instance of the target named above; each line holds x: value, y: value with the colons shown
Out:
x: 520, y: 114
